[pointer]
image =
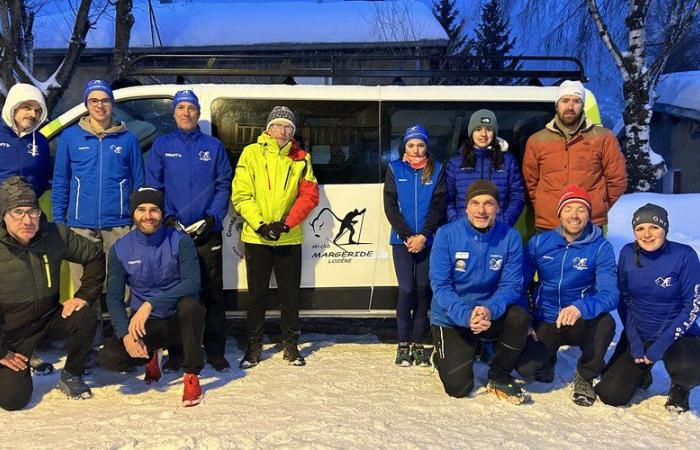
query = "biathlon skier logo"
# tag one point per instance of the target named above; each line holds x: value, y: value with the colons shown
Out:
x: 348, y: 226
x: 350, y: 233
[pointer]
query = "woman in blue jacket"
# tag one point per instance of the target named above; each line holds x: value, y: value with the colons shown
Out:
x: 483, y: 156
x: 414, y: 203
x: 659, y: 284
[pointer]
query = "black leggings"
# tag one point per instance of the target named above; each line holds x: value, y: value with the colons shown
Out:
x: 183, y: 329
x: 79, y: 329
x: 592, y: 336
x: 456, y: 346
x: 414, y: 292
x: 622, y: 376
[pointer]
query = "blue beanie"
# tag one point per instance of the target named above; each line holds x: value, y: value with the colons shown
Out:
x: 416, y: 131
x: 185, y: 96
x: 97, y: 85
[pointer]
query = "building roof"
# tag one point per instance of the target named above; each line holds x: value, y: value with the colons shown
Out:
x: 678, y: 94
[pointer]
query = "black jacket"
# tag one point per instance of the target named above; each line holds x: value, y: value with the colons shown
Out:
x: 29, y: 278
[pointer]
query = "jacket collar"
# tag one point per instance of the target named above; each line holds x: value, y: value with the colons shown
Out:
x: 154, y: 239
x: 585, y: 126
x: 589, y: 234
x: 188, y: 135
x: 270, y: 145
x: 116, y: 127
x: 476, y: 234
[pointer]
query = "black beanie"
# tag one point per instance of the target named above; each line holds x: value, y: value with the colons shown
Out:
x: 146, y: 195
x: 483, y: 187
x: 651, y: 213
x: 16, y: 192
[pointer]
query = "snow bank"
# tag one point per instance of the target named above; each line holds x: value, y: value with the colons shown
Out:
x: 683, y: 217
x: 223, y: 23
x: 350, y: 395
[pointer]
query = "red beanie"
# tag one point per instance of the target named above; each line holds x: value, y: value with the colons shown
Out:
x: 574, y: 194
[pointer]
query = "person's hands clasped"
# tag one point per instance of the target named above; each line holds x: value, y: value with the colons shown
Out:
x: 416, y: 243
x: 480, y: 320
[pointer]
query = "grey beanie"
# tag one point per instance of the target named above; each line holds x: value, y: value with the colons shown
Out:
x: 146, y: 195
x: 281, y: 114
x: 483, y: 118
x: 16, y: 192
x: 651, y: 213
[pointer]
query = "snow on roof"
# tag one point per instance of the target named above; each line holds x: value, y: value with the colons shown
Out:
x: 678, y: 94
x: 219, y: 23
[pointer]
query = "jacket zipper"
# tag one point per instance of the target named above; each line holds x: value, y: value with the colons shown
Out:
x: 267, y: 172
x: 99, y: 192
x: 77, y: 198
x: 289, y: 170
x: 121, y: 197
x: 561, y: 275
x: 48, y: 271
x: 415, y: 200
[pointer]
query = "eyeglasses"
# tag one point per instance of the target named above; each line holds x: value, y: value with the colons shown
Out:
x: 98, y: 101
x: 27, y: 107
x: 19, y: 213
x: 279, y: 126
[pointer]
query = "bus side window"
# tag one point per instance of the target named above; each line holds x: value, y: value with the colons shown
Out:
x: 147, y: 118
x: 341, y: 136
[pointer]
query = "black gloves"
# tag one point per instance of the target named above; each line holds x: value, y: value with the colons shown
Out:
x: 272, y: 231
x: 171, y: 221
x: 201, y: 232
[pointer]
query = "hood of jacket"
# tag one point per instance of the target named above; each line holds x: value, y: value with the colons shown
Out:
x: 585, y: 126
x: 19, y: 93
x: 116, y: 127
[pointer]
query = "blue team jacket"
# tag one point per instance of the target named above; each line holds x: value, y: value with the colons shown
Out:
x: 581, y: 273
x: 509, y: 182
x: 660, y: 301
x: 194, y: 172
x: 27, y: 156
x: 469, y: 268
x: 414, y: 198
x: 160, y: 268
x: 93, y: 178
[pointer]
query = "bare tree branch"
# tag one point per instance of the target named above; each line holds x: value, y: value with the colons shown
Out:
x: 605, y: 35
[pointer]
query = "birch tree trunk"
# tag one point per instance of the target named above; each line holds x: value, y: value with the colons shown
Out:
x: 639, y: 79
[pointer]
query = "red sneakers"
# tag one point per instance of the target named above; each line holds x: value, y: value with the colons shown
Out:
x: 192, y: 393
x: 153, y: 372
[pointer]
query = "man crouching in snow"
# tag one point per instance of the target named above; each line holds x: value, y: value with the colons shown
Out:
x: 476, y: 275
x: 573, y: 298
x: 31, y: 251
x: 160, y: 266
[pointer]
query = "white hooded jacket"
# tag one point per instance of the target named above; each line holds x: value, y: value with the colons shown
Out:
x: 22, y: 92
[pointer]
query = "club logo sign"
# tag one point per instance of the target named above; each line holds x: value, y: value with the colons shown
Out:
x: 664, y: 282
x: 495, y: 262
x: 580, y: 263
x: 340, y: 246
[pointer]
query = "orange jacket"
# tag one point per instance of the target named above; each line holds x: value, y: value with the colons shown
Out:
x: 592, y: 160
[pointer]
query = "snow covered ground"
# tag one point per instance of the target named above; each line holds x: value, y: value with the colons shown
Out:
x: 350, y: 395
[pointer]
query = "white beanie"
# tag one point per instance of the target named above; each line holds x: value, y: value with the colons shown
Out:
x: 569, y: 87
